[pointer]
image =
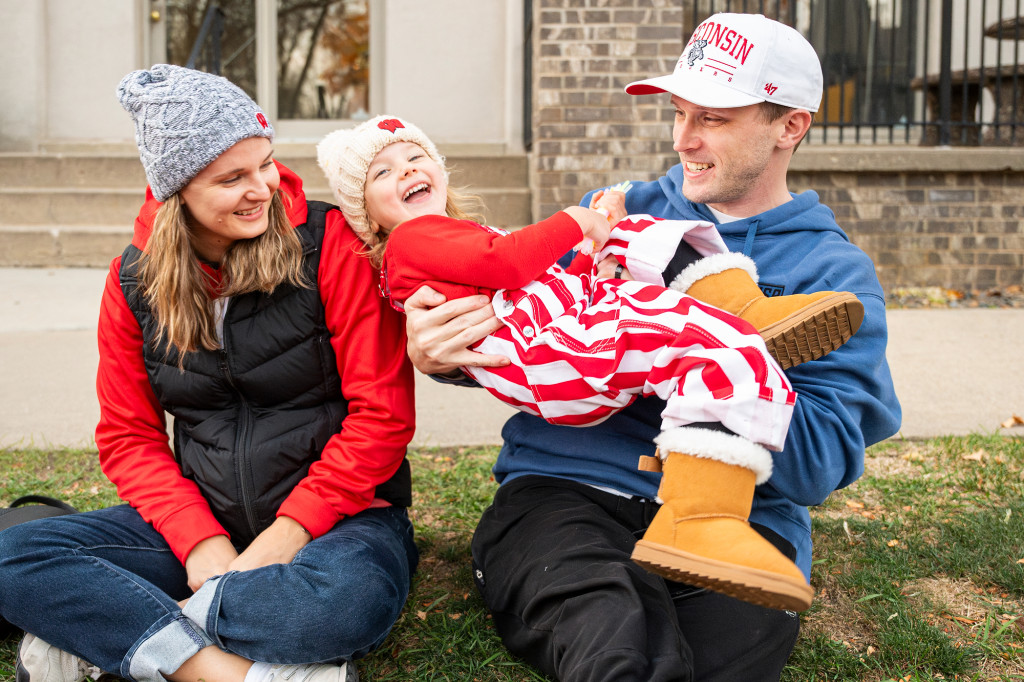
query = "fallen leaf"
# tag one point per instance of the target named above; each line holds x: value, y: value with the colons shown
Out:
x: 976, y: 456
x: 912, y: 456
x: 853, y: 504
x: 422, y: 615
x: 1020, y: 561
x: 893, y: 543
x: 870, y: 650
x: 455, y: 616
x: 1015, y: 420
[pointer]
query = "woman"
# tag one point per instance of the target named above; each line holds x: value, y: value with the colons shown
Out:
x: 276, y: 527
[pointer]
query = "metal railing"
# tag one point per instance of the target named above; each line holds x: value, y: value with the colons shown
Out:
x: 928, y: 72
x: 208, y: 42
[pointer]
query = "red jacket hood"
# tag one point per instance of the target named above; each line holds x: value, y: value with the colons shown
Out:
x: 291, y: 193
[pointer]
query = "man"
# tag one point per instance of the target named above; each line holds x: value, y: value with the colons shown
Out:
x: 552, y: 554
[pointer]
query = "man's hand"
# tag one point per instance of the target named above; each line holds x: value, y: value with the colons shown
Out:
x: 278, y: 544
x: 606, y: 269
x: 212, y: 556
x: 440, y: 332
x: 613, y: 202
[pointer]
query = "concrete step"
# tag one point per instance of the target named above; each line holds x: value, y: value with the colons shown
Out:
x: 61, y: 207
x: 77, y: 209
x: 113, y: 171
x: 123, y: 171
x: 70, y: 246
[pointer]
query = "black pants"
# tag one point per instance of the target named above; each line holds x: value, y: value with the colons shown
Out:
x: 551, y: 559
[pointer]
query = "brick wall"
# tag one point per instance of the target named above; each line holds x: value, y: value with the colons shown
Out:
x: 959, y: 230
x: 922, y: 222
x: 587, y: 130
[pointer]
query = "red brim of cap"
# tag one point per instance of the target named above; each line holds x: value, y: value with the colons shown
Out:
x: 699, y: 91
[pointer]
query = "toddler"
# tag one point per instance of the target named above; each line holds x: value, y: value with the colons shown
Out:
x: 583, y: 348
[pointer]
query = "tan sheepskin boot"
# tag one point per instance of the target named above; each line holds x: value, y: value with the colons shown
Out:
x: 701, y: 536
x: 797, y: 328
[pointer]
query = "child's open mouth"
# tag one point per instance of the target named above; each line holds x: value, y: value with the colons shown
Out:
x: 417, y: 193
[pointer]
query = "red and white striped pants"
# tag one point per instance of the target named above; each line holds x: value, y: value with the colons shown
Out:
x: 584, y: 348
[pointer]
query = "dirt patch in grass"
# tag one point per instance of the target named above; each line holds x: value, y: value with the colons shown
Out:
x: 904, y: 463
x: 837, y: 617
x: 972, y: 615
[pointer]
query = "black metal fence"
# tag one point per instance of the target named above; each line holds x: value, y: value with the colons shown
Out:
x: 929, y: 72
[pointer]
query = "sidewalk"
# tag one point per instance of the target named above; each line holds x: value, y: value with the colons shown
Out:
x: 956, y: 371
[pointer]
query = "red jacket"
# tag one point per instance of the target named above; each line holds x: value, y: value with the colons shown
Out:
x: 461, y: 258
x: 376, y: 378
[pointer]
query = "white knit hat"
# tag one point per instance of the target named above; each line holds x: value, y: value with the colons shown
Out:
x: 184, y: 119
x: 344, y: 156
x: 734, y: 60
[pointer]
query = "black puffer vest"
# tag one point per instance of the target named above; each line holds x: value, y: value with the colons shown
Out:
x: 250, y: 418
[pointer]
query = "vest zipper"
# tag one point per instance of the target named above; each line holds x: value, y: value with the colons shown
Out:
x: 243, y: 480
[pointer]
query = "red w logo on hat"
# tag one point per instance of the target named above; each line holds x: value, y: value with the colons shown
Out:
x: 390, y: 124
x: 262, y: 120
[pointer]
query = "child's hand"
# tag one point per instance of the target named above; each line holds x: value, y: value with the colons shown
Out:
x: 595, y: 228
x: 611, y: 203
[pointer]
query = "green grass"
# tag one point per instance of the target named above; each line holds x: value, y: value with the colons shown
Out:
x: 918, y: 566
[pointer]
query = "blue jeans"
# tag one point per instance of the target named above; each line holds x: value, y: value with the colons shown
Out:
x: 104, y: 585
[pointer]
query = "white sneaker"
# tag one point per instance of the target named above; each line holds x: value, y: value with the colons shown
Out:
x: 41, y: 662
x: 311, y: 672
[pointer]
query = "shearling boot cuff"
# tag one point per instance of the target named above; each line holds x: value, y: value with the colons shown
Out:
x: 712, y: 265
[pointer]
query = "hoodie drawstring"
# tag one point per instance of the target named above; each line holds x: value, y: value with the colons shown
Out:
x: 748, y: 245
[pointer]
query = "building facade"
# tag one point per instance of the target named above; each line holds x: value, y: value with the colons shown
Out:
x: 539, y: 84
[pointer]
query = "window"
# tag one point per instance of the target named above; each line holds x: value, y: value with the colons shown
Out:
x: 322, y: 57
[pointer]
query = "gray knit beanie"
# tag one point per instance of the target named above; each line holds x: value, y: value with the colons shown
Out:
x: 184, y: 119
x: 344, y: 156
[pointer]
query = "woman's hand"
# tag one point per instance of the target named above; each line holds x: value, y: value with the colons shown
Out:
x: 440, y: 332
x: 212, y: 556
x: 609, y: 269
x: 278, y: 544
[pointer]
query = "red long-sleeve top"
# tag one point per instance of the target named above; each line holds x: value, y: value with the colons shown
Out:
x: 376, y: 378
x: 461, y: 258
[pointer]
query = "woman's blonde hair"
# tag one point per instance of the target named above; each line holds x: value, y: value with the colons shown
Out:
x: 181, y: 294
x: 458, y: 205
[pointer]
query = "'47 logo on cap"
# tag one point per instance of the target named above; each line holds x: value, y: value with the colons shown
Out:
x: 770, y: 89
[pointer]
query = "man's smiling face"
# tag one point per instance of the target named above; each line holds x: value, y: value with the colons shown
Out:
x: 727, y: 154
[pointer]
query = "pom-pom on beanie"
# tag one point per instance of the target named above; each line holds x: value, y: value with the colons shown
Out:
x: 184, y: 119
x: 344, y: 156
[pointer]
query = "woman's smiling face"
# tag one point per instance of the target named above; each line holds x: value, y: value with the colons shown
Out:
x: 403, y: 182
x: 230, y: 199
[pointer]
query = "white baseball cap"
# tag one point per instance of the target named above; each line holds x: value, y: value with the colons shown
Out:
x: 734, y: 60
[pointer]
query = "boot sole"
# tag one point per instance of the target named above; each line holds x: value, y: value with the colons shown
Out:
x: 751, y: 585
x: 814, y: 331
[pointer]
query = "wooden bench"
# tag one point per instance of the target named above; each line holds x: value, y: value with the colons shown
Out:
x: 965, y: 93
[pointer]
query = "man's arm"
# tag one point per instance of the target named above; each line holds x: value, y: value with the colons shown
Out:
x: 440, y: 332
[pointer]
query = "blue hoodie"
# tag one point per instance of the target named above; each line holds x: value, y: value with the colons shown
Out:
x: 846, y: 399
